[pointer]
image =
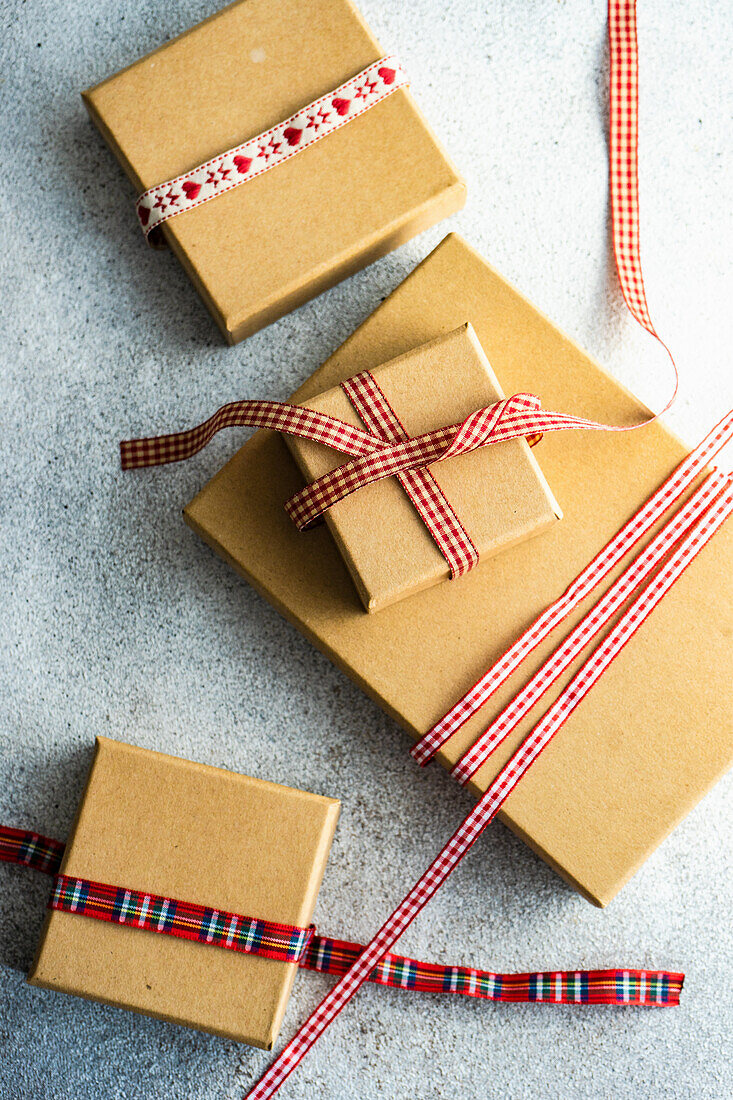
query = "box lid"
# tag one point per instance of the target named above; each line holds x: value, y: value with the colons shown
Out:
x: 498, y: 493
x: 656, y: 731
x: 262, y: 248
x: 201, y: 834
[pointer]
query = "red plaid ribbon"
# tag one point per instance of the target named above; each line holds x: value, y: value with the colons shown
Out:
x: 182, y: 919
x: 30, y: 850
x: 289, y: 943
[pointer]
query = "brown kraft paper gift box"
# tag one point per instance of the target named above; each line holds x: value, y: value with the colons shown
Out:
x: 655, y: 732
x: 264, y: 248
x: 498, y: 493
x: 201, y: 834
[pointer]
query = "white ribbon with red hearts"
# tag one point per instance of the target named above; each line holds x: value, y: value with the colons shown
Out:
x: 267, y: 150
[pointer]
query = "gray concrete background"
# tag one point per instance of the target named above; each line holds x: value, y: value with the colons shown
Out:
x: 117, y: 620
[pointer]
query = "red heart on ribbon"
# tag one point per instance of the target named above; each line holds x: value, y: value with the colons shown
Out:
x: 243, y: 164
x: 387, y: 75
x: 341, y: 105
x: 143, y: 214
x: 192, y: 189
x: 292, y: 135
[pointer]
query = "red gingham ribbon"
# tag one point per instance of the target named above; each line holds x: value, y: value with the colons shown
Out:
x: 516, y: 417
x: 446, y: 529
x: 624, y: 202
x: 599, y: 617
x: 376, y: 457
x: 289, y: 943
x: 490, y: 803
x: 269, y: 149
x: 387, y: 436
x: 596, y: 571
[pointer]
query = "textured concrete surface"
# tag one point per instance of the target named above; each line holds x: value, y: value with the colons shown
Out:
x: 117, y: 620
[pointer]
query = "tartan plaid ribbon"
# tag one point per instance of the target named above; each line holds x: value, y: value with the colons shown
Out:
x: 30, y: 850
x: 289, y: 943
x: 269, y: 149
x: 182, y: 919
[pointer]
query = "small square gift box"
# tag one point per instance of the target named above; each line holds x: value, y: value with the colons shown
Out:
x: 213, y: 858
x: 276, y: 150
x: 399, y: 536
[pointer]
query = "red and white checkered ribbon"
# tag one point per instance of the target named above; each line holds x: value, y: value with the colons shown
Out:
x: 703, y: 518
x: 376, y: 458
x: 388, y: 450
x: 589, y: 628
x: 594, y: 573
x: 267, y: 150
x: 435, y: 510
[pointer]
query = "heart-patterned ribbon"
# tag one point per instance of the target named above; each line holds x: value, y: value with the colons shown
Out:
x: 269, y: 149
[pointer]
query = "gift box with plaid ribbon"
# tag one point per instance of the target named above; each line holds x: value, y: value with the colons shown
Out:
x: 399, y: 537
x: 654, y: 734
x: 152, y: 828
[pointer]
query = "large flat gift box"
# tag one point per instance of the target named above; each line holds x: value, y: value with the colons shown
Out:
x: 498, y: 494
x: 157, y: 823
x: 655, y: 732
x: 265, y: 247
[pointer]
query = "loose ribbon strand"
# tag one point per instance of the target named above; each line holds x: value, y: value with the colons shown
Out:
x: 584, y: 584
x: 489, y: 805
x: 625, y: 214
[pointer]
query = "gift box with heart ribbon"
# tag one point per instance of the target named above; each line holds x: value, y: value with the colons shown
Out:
x: 276, y: 150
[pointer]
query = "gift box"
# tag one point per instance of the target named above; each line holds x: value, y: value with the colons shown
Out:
x: 654, y: 734
x: 260, y: 249
x: 155, y: 823
x: 497, y: 496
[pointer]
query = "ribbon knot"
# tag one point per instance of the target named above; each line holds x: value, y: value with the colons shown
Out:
x: 512, y: 418
x: 383, y: 450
